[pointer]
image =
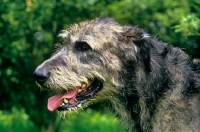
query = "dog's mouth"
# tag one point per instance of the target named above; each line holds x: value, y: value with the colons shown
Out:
x: 75, y: 98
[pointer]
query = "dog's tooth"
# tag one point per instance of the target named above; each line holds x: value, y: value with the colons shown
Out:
x: 65, y: 100
x: 62, y: 104
x: 79, y: 105
x: 83, y: 85
x: 80, y: 90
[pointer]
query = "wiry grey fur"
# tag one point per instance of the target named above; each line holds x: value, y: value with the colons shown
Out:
x: 151, y: 86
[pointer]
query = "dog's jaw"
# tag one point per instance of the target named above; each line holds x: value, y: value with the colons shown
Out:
x: 75, y: 98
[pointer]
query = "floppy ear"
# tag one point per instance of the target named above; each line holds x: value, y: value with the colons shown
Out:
x: 140, y: 39
x: 134, y: 33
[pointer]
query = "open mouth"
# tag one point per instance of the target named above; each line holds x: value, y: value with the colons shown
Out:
x: 75, y: 98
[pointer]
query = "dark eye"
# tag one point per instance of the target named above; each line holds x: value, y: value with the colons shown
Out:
x: 82, y: 46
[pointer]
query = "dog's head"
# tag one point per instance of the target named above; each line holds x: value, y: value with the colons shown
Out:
x: 91, y: 64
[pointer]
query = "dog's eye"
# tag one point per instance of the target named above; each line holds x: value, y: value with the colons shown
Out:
x: 82, y: 46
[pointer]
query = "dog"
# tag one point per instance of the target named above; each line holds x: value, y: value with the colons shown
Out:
x: 151, y: 86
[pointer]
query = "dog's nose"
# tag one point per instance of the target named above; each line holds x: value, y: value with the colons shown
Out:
x: 41, y: 75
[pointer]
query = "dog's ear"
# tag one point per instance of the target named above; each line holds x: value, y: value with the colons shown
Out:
x: 134, y: 33
x: 141, y: 40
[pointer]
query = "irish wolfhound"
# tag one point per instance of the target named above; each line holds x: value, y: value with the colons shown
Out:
x: 151, y: 86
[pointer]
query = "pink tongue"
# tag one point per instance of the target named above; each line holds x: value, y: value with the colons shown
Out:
x: 55, y: 101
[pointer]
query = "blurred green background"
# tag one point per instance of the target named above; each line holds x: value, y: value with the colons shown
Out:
x: 29, y: 29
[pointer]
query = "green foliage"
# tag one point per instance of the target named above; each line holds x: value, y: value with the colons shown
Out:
x: 189, y: 26
x: 16, y: 120
x: 29, y: 28
x: 157, y: 17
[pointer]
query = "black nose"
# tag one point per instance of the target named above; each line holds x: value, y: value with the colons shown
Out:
x: 41, y: 75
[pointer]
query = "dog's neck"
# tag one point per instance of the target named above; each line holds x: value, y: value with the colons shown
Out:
x: 144, y: 88
x: 142, y: 91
